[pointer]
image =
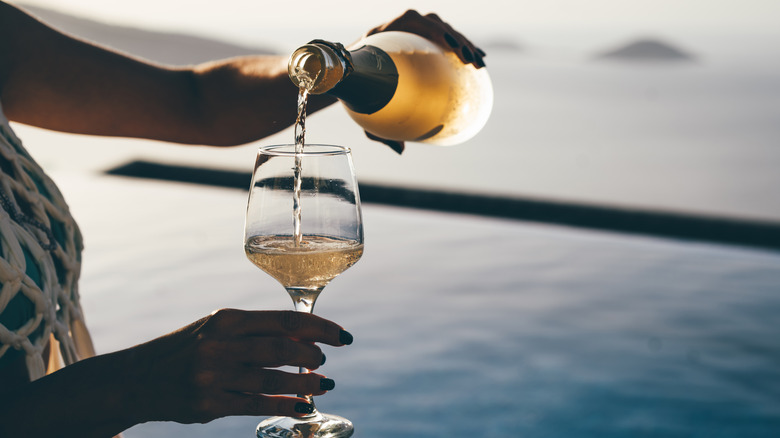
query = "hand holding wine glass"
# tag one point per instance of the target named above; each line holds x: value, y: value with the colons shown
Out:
x: 227, y: 364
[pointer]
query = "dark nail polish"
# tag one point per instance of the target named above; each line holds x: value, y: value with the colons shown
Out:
x: 323, y: 360
x: 345, y: 337
x: 327, y: 384
x: 480, y: 63
x: 467, y: 55
x: 451, y: 41
x: 304, y: 408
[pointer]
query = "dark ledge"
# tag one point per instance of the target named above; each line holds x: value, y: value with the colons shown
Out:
x: 636, y: 221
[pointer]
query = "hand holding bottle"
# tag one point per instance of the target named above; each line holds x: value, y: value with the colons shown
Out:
x: 431, y: 27
x: 403, y: 85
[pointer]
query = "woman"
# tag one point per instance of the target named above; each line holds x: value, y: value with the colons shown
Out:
x: 223, y: 364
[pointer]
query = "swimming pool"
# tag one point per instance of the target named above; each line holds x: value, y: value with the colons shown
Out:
x: 464, y: 326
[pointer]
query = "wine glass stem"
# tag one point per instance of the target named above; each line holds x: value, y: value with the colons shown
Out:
x: 303, y: 300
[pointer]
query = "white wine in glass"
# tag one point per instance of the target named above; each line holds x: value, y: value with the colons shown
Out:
x: 304, y: 227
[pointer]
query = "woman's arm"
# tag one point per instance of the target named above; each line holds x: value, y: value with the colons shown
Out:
x: 51, y: 80
x: 54, y: 81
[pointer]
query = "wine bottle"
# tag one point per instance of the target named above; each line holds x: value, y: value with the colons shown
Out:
x: 399, y: 86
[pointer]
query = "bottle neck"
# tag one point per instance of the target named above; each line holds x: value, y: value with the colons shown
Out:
x: 318, y: 66
x: 364, y: 79
x: 372, y: 82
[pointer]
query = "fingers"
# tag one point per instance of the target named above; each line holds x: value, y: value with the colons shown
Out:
x: 459, y: 44
x: 237, y: 387
x: 226, y: 364
x: 254, y: 392
x: 296, y: 325
x: 259, y: 404
x: 435, y: 29
x: 272, y: 382
x: 269, y: 352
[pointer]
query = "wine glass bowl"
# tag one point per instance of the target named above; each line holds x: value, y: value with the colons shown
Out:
x: 304, y: 227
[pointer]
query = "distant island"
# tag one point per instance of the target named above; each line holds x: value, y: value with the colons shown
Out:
x: 163, y: 47
x: 647, y: 49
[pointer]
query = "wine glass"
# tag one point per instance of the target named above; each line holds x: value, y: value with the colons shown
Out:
x: 304, y: 227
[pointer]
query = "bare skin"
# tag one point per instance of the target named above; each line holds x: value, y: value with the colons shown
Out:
x: 53, y: 81
x: 226, y: 363
x: 223, y: 364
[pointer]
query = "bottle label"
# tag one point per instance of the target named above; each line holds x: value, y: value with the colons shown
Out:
x: 372, y: 82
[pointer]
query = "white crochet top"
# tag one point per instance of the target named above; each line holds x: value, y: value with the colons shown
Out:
x: 40, y: 262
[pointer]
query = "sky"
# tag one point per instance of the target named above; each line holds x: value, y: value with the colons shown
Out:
x: 249, y: 20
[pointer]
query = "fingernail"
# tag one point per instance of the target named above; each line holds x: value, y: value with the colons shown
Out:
x: 480, y: 63
x: 467, y: 55
x: 451, y: 40
x: 481, y: 52
x: 323, y: 360
x: 304, y: 408
x: 327, y: 384
x: 345, y: 337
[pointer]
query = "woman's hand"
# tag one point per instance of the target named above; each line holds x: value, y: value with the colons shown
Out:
x: 224, y: 364
x: 431, y: 27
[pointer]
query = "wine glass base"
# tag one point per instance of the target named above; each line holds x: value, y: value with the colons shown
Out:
x: 315, y: 426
